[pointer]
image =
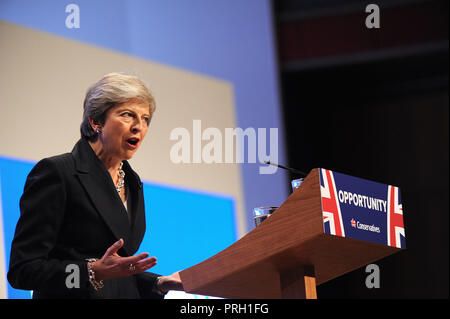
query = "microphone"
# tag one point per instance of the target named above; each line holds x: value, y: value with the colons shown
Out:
x: 292, y: 170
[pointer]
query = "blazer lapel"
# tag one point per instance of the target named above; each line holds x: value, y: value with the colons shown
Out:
x: 137, y: 212
x: 100, y: 189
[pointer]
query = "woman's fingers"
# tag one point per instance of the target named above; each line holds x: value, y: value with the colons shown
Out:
x: 140, y: 261
x: 113, y: 266
x: 133, y: 260
x: 114, y: 248
x: 136, y: 266
x: 146, y: 264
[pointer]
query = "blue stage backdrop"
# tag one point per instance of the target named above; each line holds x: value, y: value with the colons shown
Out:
x: 227, y: 45
x: 231, y: 40
x: 184, y: 227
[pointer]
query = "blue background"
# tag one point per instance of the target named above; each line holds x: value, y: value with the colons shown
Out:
x: 184, y: 227
x: 229, y: 39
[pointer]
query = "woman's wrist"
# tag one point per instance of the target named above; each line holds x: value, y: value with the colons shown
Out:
x: 92, y: 275
x: 157, y: 286
x: 172, y: 282
x: 96, y: 270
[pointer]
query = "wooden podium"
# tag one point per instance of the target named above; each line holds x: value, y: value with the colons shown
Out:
x: 284, y: 257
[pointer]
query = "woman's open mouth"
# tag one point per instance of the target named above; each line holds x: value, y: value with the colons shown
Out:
x: 132, y: 142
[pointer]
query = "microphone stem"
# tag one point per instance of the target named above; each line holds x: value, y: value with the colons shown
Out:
x: 293, y: 170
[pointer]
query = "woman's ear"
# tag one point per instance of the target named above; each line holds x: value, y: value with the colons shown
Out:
x: 96, y: 126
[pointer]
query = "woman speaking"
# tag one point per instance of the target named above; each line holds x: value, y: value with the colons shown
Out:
x: 82, y: 213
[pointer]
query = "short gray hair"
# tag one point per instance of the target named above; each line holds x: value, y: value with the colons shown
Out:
x: 113, y: 89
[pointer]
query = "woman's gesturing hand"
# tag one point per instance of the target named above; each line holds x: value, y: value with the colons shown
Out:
x: 111, y: 265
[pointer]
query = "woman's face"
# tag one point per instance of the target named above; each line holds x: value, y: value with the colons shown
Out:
x: 124, y: 129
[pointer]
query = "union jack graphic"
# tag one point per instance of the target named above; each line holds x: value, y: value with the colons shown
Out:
x: 395, y: 227
x: 330, y: 205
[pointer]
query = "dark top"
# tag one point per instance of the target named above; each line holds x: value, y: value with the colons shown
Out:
x: 71, y: 211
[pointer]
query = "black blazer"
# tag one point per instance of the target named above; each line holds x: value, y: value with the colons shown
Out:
x: 70, y: 211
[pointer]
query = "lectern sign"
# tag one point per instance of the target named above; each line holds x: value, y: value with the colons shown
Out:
x: 361, y: 209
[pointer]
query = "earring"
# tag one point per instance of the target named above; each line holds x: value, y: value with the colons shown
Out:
x: 99, y: 131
